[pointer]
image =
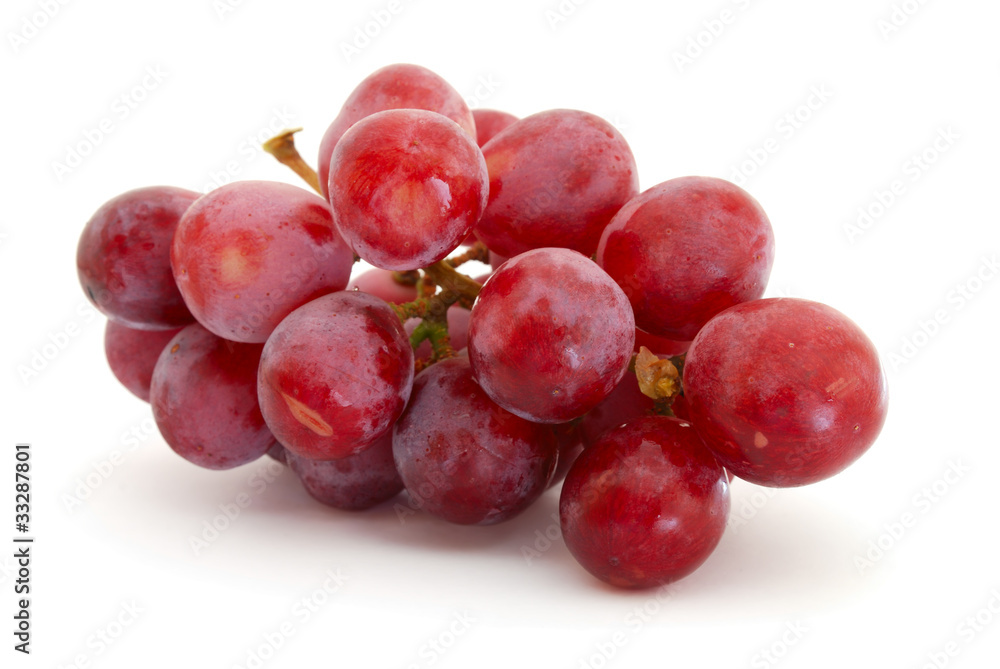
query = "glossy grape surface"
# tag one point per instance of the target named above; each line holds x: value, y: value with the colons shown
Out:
x: 646, y: 505
x: 123, y: 258
x: 785, y: 391
x: 489, y: 122
x: 353, y: 483
x: 686, y: 249
x: 406, y: 186
x: 399, y: 86
x: 204, y: 399
x: 551, y: 335
x: 462, y: 457
x: 556, y: 179
x: 335, y: 375
x: 132, y: 354
x: 248, y: 253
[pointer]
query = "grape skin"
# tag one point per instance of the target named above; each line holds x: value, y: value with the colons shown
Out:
x: 399, y: 86
x: 686, y: 249
x: 204, y: 399
x: 123, y: 258
x: 551, y: 335
x: 406, y: 187
x: 646, y: 505
x: 335, y: 375
x: 132, y: 354
x: 248, y: 253
x: 556, y: 179
x: 462, y: 457
x: 353, y: 483
x: 489, y: 122
x: 785, y: 391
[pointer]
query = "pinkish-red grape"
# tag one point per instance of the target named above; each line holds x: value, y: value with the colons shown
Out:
x: 132, y: 354
x: 556, y: 179
x: 462, y: 457
x: 204, y: 399
x: 551, y: 335
x: 646, y: 505
x: 686, y: 249
x: 489, y: 122
x: 123, y: 258
x: 406, y: 186
x: 248, y: 253
x: 353, y: 483
x: 785, y: 391
x: 335, y: 375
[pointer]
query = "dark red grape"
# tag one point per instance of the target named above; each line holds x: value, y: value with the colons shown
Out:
x: 335, y: 375
x: 204, y: 399
x: 353, y: 483
x: 556, y: 179
x: 551, y: 335
x: 381, y: 284
x: 489, y: 122
x: 785, y: 391
x: 663, y: 346
x: 248, y: 253
x: 646, y: 505
x: 123, y: 258
x: 462, y: 457
x: 686, y: 249
x: 400, y: 86
x: 406, y: 186
x: 132, y: 354
x: 570, y: 442
x: 278, y: 453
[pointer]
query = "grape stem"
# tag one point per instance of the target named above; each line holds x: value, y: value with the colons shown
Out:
x: 282, y: 147
x: 659, y: 378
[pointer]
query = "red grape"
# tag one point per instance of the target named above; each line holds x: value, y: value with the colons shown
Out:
x: 686, y: 249
x: 556, y: 179
x: 624, y: 404
x: 353, y: 483
x: 204, y: 398
x: 335, y: 375
x: 646, y: 505
x: 123, y: 258
x: 406, y: 186
x: 570, y: 441
x: 462, y: 457
x: 785, y: 391
x: 132, y: 354
x: 551, y: 335
x: 489, y: 122
x: 663, y: 346
x: 400, y: 86
x: 248, y: 253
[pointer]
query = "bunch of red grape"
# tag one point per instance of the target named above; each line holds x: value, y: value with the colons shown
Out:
x: 620, y: 342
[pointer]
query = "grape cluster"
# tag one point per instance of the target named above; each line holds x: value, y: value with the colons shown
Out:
x: 620, y: 342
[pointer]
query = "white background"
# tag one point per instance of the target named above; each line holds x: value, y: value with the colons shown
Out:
x: 789, y: 576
